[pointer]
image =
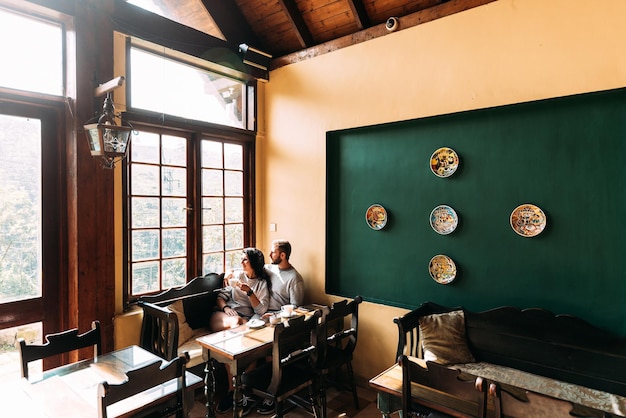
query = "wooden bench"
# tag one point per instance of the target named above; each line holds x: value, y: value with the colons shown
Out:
x: 167, y: 331
x: 534, y: 341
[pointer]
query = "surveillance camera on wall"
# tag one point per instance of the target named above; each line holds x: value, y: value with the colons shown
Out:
x: 392, y: 24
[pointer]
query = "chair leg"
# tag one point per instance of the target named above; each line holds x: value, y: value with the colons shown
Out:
x: 322, y: 394
x: 279, y: 409
x: 353, y: 385
x: 314, y: 405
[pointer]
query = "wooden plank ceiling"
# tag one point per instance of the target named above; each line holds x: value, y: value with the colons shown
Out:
x: 292, y: 30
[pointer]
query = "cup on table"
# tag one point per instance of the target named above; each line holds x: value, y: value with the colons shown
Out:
x: 288, y: 309
x: 274, y: 319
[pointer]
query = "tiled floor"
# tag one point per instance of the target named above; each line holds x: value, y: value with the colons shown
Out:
x: 339, y: 404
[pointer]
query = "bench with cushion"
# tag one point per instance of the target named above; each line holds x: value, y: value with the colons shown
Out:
x: 173, y: 319
x: 560, y: 348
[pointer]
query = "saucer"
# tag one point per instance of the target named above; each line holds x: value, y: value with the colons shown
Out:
x: 256, y: 323
x: 286, y: 315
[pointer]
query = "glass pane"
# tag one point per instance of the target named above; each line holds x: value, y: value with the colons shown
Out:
x: 174, y: 150
x: 197, y: 94
x: 212, y: 238
x: 234, y: 210
x: 145, y: 244
x: 174, y: 243
x: 20, y: 208
x: 144, y: 180
x: 212, y: 183
x: 212, y: 210
x: 234, y: 236
x: 21, y: 35
x: 211, y: 154
x: 174, y: 213
x: 233, y: 183
x: 174, y: 273
x: 233, y: 260
x: 10, y: 366
x: 174, y: 181
x: 145, y: 148
x: 145, y: 277
x: 213, y: 263
x: 233, y: 156
x: 145, y: 212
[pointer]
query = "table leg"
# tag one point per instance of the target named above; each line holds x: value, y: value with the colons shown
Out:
x: 209, y: 387
x: 237, y: 396
x: 387, y: 404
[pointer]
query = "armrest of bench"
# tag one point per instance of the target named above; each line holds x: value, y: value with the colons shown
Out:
x: 159, y: 331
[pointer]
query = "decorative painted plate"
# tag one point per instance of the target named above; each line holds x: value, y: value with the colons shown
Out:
x: 376, y: 217
x: 442, y: 269
x: 443, y: 219
x: 444, y: 162
x: 528, y: 220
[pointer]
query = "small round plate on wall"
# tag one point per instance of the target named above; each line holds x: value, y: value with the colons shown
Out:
x: 443, y: 219
x: 376, y: 217
x: 442, y: 269
x: 444, y: 162
x: 528, y: 220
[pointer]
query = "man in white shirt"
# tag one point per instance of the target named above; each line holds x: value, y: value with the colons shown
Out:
x: 287, y: 283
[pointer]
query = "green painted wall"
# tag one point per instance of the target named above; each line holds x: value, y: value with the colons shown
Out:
x: 564, y: 155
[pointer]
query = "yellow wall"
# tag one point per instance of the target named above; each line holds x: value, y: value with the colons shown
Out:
x: 508, y: 51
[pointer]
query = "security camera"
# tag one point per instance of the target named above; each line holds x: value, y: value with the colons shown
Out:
x: 392, y: 24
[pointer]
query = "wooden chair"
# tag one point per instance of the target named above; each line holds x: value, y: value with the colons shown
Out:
x: 528, y: 404
x: 158, y: 404
x: 294, y: 353
x: 336, y: 346
x: 461, y: 398
x: 60, y: 343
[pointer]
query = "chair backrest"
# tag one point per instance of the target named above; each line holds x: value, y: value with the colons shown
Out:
x: 528, y: 404
x: 159, y: 331
x: 468, y: 397
x: 60, y: 343
x: 333, y: 331
x: 294, y: 342
x: 161, y: 402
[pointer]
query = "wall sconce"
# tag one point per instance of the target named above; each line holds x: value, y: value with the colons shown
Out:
x: 106, y: 139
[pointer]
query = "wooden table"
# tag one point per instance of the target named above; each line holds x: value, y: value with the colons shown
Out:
x: 70, y: 391
x: 237, y: 348
x: 388, y: 386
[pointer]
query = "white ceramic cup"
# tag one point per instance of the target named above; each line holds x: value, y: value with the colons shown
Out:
x: 288, y: 309
x: 274, y: 319
x: 233, y: 282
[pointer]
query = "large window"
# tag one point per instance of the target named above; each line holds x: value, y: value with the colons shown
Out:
x: 189, y: 175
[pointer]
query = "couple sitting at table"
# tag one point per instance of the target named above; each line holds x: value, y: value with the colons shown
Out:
x: 257, y: 289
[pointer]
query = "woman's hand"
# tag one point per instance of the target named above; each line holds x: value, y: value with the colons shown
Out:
x: 230, y: 311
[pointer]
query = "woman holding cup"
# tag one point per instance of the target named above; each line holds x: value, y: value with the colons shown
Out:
x: 249, y: 293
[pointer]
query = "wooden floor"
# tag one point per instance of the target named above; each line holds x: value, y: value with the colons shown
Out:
x: 339, y: 405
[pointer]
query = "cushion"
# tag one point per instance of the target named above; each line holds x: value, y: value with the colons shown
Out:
x: 443, y: 338
x: 184, y: 330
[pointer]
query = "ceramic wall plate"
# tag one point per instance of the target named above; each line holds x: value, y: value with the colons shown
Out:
x: 376, y: 217
x: 444, y: 162
x: 528, y: 220
x: 442, y: 269
x: 443, y: 219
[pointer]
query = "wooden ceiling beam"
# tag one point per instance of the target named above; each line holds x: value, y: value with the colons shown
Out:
x: 432, y: 13
x: 231, y: 22
x: 297, y: 22
x: 360, y: 14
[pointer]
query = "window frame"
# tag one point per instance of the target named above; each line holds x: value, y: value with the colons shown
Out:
x: 196, y: 132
